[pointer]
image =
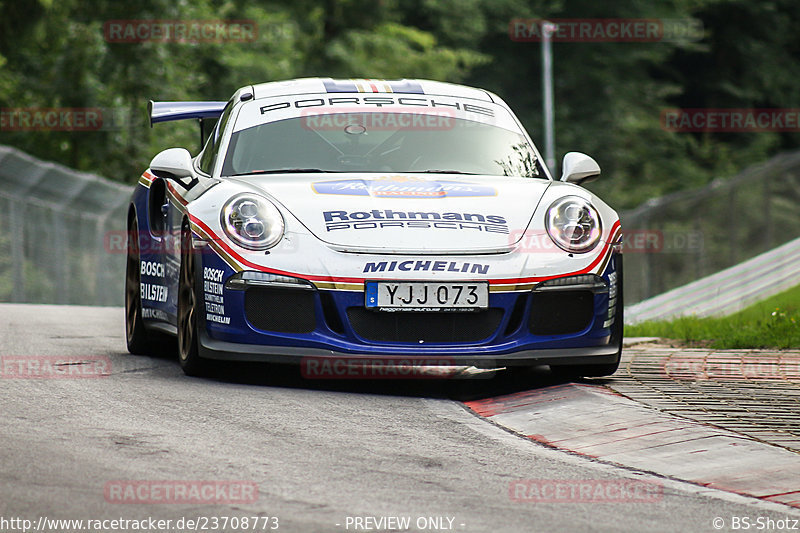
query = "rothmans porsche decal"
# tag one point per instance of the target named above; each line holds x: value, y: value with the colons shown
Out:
x: 372, y: 86
x: 402, y: 187
x: 389, y: 218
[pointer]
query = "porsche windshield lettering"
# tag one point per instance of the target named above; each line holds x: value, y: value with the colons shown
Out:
x: 378, y: 101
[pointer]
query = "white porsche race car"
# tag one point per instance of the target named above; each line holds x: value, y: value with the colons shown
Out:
x: 348, y: 219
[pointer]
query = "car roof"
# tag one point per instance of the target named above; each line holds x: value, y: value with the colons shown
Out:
x: 403, y: 86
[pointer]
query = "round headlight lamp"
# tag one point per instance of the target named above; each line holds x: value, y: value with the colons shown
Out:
x: 252, y: 222
x: 573, y: 224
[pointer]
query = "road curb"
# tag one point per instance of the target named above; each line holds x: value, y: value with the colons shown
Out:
x: 593, y: 421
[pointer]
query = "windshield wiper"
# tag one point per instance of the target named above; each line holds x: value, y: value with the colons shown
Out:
x: 282, y: 171
x: 437, y: 171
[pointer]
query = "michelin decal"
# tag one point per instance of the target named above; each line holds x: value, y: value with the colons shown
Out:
x: 426, y: 266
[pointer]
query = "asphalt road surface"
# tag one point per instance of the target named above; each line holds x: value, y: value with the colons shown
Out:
x: 319, y: 456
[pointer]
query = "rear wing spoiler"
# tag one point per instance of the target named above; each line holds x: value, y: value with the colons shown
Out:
x: 169, y: 111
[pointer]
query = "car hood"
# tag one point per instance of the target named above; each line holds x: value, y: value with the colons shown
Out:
x: 407, y: 213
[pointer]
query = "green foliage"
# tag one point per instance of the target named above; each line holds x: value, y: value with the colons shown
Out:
x: 609, y: 96
x: 772, y: 323
x: 392, y: 51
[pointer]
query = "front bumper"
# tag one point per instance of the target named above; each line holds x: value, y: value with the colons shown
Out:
x: 231, y: 351
x: 576, y: 326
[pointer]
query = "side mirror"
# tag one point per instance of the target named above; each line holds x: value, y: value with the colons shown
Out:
x: 175, y: 161
x: 579, y: 168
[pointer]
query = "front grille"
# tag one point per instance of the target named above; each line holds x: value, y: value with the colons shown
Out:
x: 280, y: 310
x: 560, y: 312
x: 411, y: 326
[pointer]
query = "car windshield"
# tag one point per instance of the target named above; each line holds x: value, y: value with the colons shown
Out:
x: 380, y: 142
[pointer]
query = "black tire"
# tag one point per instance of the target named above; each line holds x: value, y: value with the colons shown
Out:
x: 188, y: 353
x: 139, y: 341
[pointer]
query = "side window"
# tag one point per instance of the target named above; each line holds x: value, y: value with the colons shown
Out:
x: 211, y: 149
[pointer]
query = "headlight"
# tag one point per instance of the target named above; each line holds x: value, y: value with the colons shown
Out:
x: 252, y: 222
x: 573, y: 224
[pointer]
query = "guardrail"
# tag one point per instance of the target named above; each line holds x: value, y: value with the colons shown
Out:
x: 727, y: 291
x: 699, y: 232
x: 53, y: 227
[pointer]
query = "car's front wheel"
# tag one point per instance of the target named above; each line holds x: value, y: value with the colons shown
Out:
x: 138, y: 339
x: 188, y: 353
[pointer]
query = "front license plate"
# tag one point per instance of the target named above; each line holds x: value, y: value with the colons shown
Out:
x: 426, y: 296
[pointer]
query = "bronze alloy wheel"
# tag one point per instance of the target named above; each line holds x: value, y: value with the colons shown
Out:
x: 187, y: 309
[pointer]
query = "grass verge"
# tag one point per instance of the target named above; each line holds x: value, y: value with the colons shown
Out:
x: 771, y: 323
